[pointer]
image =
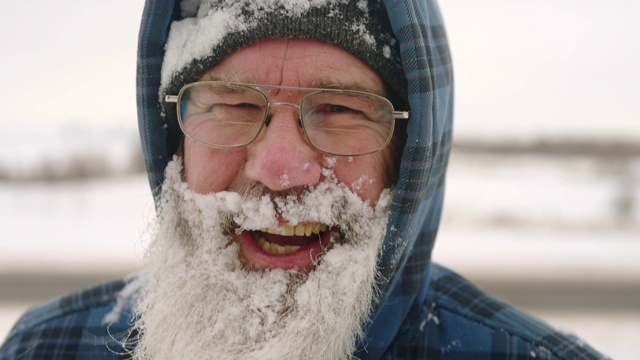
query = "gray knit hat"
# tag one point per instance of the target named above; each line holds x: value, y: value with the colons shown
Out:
x: 213, y: 29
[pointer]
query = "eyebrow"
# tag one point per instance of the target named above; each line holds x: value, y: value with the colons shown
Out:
x: 347, y: 85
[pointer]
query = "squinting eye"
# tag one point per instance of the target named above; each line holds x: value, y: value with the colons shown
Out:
x: 337, y: 108
x: 247, y: 106
x: 332, y: 108
x: 243, y: 107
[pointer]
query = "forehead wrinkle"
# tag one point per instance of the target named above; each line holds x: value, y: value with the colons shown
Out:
x: 341, y: 77
x: 347, y: 85
x: 233, y: 77
x: 250, y: 78
x: 338, y: 76
x: 332, y: 75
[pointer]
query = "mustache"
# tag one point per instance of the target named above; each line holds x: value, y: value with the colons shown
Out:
x: 279, y: 199
x: 256, y: 191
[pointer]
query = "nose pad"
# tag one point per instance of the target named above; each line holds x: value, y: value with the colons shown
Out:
x: 267, y: 121
x: 281, y: 158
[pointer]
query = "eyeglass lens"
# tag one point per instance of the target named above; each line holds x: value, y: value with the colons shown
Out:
x: 340, y: 123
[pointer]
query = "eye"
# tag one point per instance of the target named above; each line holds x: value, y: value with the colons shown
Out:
x: 334, y: 108
x: 337, y: 108
x: 239, y: 107
x: 248, y: 106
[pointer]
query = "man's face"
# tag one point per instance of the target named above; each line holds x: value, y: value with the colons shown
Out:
x: 281, y: 160
x: 200, y: 297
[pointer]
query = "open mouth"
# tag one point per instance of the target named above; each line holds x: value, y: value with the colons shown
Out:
x: 286, y: 239
x: 285, y: 246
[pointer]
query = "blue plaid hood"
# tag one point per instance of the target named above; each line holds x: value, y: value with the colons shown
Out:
x: 425, y: 311
x: 418, y: 198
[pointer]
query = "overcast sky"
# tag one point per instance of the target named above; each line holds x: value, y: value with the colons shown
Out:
x: 559, y: 68
x: 68, y: 61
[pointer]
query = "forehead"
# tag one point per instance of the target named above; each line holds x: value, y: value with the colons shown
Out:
x: 297, y: 62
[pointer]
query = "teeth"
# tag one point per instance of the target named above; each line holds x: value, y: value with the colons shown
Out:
x: 289, y: 230
x: 276, y: 249
x: 299, y: 230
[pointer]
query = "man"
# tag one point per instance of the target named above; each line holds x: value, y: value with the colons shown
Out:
x: 296, y: 150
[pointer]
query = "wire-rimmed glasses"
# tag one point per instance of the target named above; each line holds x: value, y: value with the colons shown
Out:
x: 339, y: 122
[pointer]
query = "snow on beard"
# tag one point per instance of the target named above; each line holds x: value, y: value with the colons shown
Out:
x: 199, y: 300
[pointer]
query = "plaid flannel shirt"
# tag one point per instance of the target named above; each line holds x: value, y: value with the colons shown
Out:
x: 426, y: 312
x: 455, y: 321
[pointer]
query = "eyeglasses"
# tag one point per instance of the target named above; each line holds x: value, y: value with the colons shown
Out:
x: 224, y: 114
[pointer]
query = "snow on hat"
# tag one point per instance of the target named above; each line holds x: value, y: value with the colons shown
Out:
x: 212, y: 29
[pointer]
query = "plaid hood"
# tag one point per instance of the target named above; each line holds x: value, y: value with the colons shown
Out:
x: 405, y: 261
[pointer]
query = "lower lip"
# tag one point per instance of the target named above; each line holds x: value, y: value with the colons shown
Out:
x: 304, y: 259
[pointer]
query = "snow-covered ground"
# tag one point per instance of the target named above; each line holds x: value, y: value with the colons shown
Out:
x: 67, y: 151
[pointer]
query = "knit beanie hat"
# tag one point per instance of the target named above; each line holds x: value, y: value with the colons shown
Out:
x: 213, y: 29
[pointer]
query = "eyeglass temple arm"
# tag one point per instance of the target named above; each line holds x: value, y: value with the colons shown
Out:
x: 171, y: 98
x: 400, y: 114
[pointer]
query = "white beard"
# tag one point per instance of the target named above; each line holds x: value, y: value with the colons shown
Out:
x: 200, y: 303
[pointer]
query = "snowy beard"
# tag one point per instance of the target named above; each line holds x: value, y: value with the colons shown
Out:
x: 200, y: 302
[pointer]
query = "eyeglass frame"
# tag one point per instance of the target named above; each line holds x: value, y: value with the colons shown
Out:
x: 402, y: 115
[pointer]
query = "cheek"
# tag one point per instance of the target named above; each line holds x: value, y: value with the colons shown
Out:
x: 366, y: 175
x: 209, y: 170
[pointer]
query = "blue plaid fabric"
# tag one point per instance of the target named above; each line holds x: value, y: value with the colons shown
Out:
x: 73, y: 327
x: 425, y: 312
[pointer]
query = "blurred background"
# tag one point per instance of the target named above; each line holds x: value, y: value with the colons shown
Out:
x: 543, y: 197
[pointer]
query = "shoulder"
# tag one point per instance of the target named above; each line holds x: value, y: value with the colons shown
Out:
x: 459, y: 320
x: 91, y: 323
